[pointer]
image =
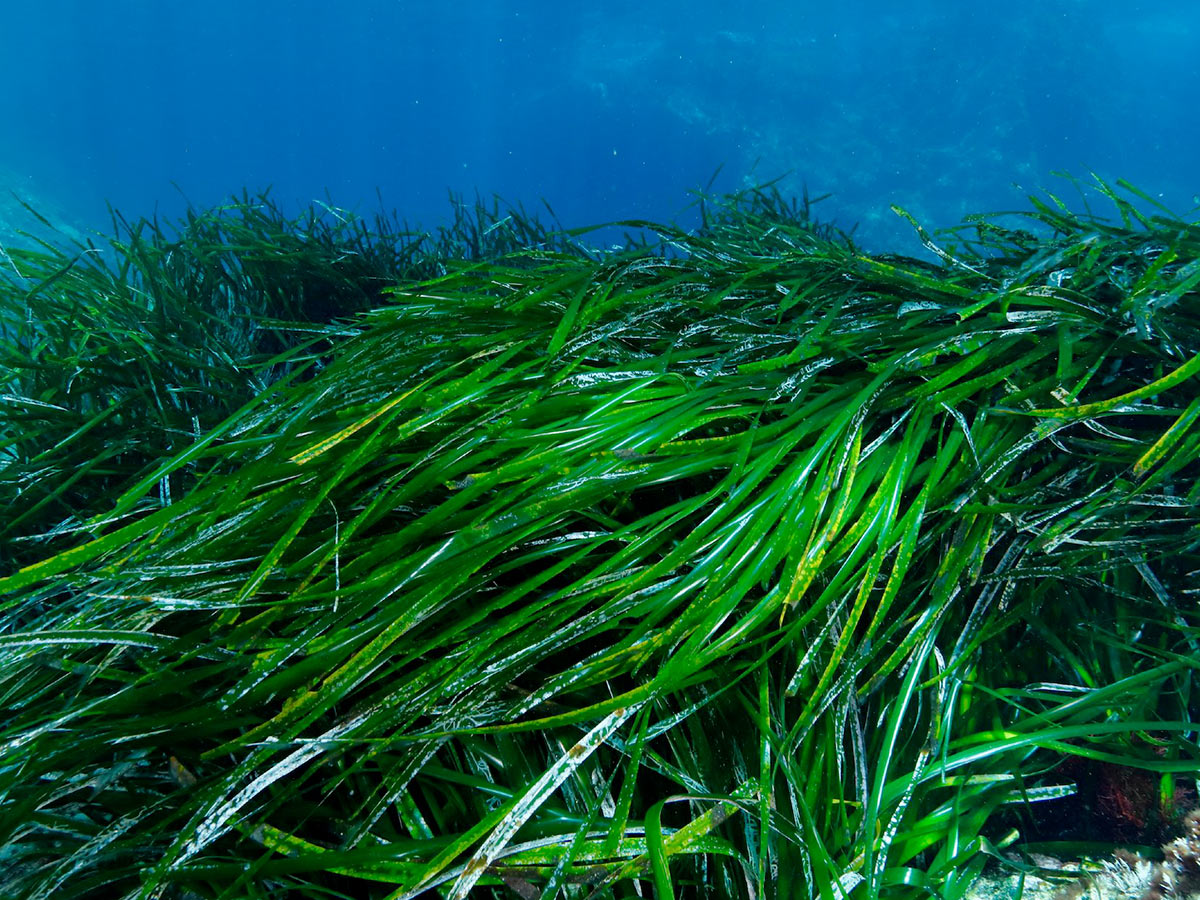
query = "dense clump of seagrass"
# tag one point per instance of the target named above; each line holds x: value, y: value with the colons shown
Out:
x: 340, y: 561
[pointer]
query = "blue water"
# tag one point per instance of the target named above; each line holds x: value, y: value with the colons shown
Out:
x: 606, y: 110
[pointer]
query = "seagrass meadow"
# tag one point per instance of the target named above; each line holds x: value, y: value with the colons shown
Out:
x: 344, y: 561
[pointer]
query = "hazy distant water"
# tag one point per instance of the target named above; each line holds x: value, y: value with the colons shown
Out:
x: 605, y: 109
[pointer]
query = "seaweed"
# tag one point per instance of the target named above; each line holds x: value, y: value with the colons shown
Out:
x: 343, y: 559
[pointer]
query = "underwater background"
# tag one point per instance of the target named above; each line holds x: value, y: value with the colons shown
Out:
x: 737, y: 559
x: 606, y: 110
